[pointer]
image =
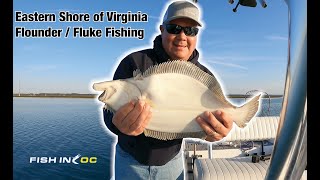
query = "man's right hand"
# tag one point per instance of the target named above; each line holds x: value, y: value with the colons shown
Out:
x: 132, y: 118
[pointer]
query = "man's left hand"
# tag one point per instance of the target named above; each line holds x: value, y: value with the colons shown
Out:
x: 216, y: 125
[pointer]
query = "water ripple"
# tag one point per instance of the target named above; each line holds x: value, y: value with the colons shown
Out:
x: 54, y: 127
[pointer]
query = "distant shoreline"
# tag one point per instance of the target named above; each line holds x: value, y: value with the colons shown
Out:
x: 76, y: 95
x: 56, y: 95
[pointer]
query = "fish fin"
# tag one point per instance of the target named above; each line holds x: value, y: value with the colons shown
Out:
x: 108, y: 108
x: 171, y: 136
x: 102, y: 86
x: 191, y: 70
x: 137, y: 74
x: 251, y: 108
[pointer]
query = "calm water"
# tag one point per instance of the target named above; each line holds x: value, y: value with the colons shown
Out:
x: 46, y: 130
x: 59, y: 127
x: 269, y: 107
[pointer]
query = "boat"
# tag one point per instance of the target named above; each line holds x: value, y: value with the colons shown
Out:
x: 272, y: 147
x: 243, y: 154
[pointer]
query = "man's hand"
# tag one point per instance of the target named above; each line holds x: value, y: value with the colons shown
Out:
x: 216, y: 125
x: 132, y: 118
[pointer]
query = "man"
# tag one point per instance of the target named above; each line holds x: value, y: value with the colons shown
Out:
x: 141, y: 157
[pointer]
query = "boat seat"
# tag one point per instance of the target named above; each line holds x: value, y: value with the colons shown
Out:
x: 240, y: 167
x: 237, y: 168
x: 259, y: 128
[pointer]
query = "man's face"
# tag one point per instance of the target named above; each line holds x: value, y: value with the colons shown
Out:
x: 179, y: 46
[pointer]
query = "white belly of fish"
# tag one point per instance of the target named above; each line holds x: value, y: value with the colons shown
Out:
x: 176, y: 101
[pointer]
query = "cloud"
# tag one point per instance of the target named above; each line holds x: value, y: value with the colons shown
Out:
x: 228, y: 64
x: 246, y: 58
x: 219, y: 42
x: 275, y: 37
x: 220, y: 31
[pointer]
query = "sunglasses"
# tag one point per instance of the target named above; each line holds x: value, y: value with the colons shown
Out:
x: 176, y: 29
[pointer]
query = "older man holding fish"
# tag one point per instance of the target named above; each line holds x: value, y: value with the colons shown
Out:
x: 138, y: 156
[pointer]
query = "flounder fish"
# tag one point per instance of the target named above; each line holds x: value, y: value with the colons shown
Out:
x: 177, y: 91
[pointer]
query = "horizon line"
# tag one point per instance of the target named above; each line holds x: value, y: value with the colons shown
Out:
x: 94, y: 95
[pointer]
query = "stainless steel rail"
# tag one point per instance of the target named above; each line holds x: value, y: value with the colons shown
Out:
x: 289, y: 157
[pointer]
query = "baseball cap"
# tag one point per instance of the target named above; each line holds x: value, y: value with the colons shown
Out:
x: 182, y: 9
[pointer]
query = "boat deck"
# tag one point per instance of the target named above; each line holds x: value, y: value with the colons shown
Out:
x: 243, y: 154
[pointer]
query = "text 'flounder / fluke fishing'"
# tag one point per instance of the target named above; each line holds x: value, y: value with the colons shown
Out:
x: 177, y: 91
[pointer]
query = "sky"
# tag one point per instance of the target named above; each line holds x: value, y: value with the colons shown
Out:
x: 246, y: 50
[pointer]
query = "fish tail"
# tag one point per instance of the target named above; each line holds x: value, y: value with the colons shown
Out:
x: 248, y: 111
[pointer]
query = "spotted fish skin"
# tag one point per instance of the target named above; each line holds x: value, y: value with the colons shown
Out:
x: 178, y: 92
